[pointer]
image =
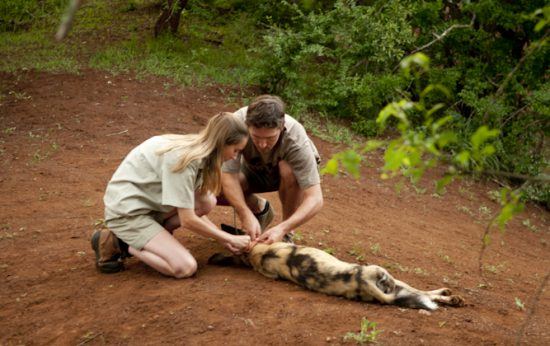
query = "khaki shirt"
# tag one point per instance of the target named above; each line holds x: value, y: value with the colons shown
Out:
x: 144, y: 182
x: 293, y: 146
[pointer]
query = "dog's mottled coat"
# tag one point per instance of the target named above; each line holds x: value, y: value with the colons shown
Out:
x: 321, y: 272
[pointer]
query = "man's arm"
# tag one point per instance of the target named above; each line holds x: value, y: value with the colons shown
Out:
x: 233, y: 192
x: 311, y: 205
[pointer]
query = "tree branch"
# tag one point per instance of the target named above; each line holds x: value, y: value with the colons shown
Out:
x: 531, y: 50
x: 67, y: 21
x: 445, y: 33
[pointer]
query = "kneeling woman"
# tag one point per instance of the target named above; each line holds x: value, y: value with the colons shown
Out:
x: 165, y: 182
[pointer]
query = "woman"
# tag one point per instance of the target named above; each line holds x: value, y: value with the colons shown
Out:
x: 165, y: 182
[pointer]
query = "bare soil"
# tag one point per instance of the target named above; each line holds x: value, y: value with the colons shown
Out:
x: 61, y: 138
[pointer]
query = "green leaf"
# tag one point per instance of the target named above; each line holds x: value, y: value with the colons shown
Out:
x: 393, y: 158
x: 441, y: 183
x: 463, y: 158
x: 446, y: 138
x: 435, y: 87
x: 351, y: 161
x: 385, y: 113
x: 441, y: 122
x: 372, y: 145
x: 418, y: 59
x: 488, y: 150
x: 331, y: 167
x: 481, y: 135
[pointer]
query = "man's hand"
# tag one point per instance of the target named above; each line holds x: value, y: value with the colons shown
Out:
x: 251, y: 226
x: 272, y: 235
x: 237, y: 244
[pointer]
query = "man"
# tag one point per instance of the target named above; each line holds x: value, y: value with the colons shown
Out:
x: 279, y: 156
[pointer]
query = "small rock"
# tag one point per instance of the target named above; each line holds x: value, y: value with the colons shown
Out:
x: 424, y: 312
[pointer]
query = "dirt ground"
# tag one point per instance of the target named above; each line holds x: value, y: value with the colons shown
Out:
x: 61, y: 138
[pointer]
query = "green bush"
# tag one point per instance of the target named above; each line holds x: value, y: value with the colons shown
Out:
x: 18, y: 15
x: 328, y: 62
x: 493, y: 59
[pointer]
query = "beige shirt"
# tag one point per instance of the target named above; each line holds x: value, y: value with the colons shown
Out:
x: 294, y: 147
x: 144, y: 182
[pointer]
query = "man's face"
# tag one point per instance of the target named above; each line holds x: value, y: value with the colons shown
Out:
x: 264, y: 138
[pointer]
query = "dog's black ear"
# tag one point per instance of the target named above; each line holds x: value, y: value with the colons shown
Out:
x: 231, y: 229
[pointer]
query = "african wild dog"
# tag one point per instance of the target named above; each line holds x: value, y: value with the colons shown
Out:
x: 319, y: 271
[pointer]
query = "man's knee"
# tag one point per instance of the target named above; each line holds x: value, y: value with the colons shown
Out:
x: 204, y: 204
x: 185, y: 268
x: 288, y: 179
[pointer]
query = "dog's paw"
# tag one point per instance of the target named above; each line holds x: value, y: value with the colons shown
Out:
x: 446, y: 292
x: 456, y: 301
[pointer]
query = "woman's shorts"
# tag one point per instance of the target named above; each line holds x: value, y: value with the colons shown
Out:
x: 136, y: 230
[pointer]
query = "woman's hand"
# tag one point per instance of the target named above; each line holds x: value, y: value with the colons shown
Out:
x: 237, y: 244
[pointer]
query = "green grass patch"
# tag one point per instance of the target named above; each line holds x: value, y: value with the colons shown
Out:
x: 35, y: 50
x: 117, y: 38
x: 187, y: 62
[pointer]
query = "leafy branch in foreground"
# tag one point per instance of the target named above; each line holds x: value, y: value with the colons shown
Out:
x: 427, y: 139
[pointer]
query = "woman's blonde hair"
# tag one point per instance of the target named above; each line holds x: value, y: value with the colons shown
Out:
x: 222, y: 129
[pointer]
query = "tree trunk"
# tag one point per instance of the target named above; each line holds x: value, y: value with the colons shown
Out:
x: 170, y: 16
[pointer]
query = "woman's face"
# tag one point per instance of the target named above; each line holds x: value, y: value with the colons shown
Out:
x: 231, y: 151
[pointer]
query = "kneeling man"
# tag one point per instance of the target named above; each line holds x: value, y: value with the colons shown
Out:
x: 279, y: 156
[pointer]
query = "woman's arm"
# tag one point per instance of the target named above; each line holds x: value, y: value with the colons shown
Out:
x: 203, y: 226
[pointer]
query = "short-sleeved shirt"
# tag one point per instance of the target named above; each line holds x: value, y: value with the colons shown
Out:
x: 145, y: 182
x: 293, y: 146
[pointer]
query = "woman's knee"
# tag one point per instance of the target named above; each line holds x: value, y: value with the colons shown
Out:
x: 185, y: 268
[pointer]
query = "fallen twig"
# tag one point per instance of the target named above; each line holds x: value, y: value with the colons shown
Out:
x: 118, y: 133
x: 89, y: 338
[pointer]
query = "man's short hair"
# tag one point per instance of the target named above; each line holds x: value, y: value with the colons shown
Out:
x: 266, y: 111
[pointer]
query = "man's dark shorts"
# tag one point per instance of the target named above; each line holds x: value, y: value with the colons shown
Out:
x: 262, y: 178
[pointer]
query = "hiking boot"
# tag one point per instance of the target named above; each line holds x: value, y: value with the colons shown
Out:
x: 231, y: 229
x: 108, y: 255
x: 265, y: 216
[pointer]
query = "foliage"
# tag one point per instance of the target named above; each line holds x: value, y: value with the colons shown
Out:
x: 334, y: 60
x: 329, y: 60
x: 210, y: 48
x: 426, y: 137
x: 16, y: 15
x: 367, y: 334
x: 341, y: 61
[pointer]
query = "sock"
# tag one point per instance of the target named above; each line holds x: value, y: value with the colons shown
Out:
x: 266, y: 208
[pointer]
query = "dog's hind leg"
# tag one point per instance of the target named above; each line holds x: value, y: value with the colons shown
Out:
x: 442, y: 295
